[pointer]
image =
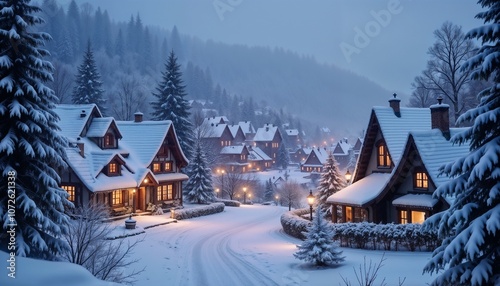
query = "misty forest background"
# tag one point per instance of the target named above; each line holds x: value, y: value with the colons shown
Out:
x: 259, y: 84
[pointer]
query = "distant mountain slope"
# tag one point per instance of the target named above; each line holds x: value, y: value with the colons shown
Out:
x: 323, y: 94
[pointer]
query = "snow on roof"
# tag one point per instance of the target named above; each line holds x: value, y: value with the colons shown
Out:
x: 213, y: 130
x: 342, y: 148
x: 247, y: 127
x: 72, y: 123
x: 256, y: 154
x: 215, y: 120
x: 435, y: 151
x: 233, y: 129
x: 99, y: 126
x: 362, y: 191
x: 395, y: 129
x: 416, y: 200
x: 171, y: 177
x: 292, y: 132
x: 238, y: 149
x: 321, y: 154
x: 144, y: 138
x: 265, y: 133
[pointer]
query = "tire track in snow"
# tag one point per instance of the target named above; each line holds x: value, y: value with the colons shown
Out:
x: 226, y: 266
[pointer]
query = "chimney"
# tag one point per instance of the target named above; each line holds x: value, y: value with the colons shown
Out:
x: 440, y: 117
x: 394, y: 104
x: 82, y: 115
x: 138, y: 116
x: 81, y: 147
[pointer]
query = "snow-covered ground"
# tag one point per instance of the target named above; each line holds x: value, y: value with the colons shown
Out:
x: 246, y: 246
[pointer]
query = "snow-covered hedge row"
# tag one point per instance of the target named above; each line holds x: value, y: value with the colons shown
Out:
x: 385, y: 236
x: 367, y: 235
x: 198, y: 211
x: 229, y: 203
x: 293, y: 224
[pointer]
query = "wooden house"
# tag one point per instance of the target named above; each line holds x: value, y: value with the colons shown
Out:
x: 127, y: 165
x: 315, y: 160
x: 398, y: 167
x: 269, y: 140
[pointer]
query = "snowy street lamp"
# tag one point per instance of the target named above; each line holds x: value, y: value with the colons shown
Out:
x: 217, y: 192
x: 244, y: 195
x: 277, y: 197
x: 348, y: 176
x: 310, y: 201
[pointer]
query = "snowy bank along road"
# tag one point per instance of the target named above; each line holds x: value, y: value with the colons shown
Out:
x: 246, y: 246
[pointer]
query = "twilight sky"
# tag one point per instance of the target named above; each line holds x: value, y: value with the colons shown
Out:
x: 383, y: 40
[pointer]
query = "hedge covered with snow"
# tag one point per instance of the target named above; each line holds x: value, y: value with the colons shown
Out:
x: 198, y: 211
x: 229, y: 203
x: 367, y: 235
x: 293, y: 224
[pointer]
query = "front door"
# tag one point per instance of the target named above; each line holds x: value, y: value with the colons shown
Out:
x: 140, y: 199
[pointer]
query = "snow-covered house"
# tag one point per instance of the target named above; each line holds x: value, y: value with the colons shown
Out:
x: 293, y: 137
x: 237, y: 133
x: 216, y: 135
x: 299, y: 156
x: 215, y: 120
x: 342, y: 152
x: 315, y: 160
x: 397, y: 170
x: 247, y: 128
x: 268, y: 139
x: 258, y: 160
x: 235, y: 158
x: 123, y: 164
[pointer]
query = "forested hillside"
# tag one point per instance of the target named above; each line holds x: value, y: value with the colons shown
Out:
x: 279, y: 85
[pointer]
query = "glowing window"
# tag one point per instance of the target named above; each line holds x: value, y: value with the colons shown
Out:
x: 421, y: 180
x: 168, y: 166
x: 117, y: 197
x: 348, y: 214
x: 156, y: 167
x: 383, y: 158
x: 71, y: 192
x: 113, y: 168
x: 417, y: 217
x: 403, y: 217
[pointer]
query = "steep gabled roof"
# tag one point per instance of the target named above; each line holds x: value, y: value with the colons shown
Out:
x: 292, y: 132
x: 247, y: 127
x: 266, y: 133
x: 215, y: 120
x: 394, y: 130
x: 342, y: 148
x: 74, y: 118
x: 234, y: 130
x: 320, y: 153
x: 233, y: 150
x: 213, y: 130
x: 256, y: 154
x: 99, y: 126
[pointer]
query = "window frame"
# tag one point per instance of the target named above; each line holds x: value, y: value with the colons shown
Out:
x: 71, y: 190
x: 109, y: 140
x: 113, y: 171
x: 420, y: 183
x: 117, y: 196
x: 383, y: 156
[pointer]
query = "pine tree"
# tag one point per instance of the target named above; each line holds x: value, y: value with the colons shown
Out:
x: 269, y: 193
x: 172, y: 105
x: 331, y: 182
x: 88, y: 82
x: 199, y: 188
x: 470, y: 250
x: 319, y: 248
x: 31, y: 150
x: 283, y: 158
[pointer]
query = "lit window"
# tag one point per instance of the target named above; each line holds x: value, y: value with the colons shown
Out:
x: 113, y: 168
x: 117, y: 197
x: 156, y: 167
x: 164, y: 192
x: 403, y: 217
x: 417, y: 217
x: 71, y: 192
x: 384, y: 159
x: 348, y: 214
x: 421, y: 180
x: 168, y: 166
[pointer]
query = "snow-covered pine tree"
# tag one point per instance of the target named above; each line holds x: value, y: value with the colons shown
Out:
x: 199, y: 188
x: 269, y: 193
x: 331, y: 182
x: 470, y: 251
x: 319, y: 247
x: 283, y: 159
x: 31, y: 150
x: 172, y: 105
x: 88, y: 82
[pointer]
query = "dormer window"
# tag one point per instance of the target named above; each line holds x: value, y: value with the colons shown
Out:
x: 168, y: 166
x: 113, y: 169
x: 109, y: 141
x: 383, y: 158
x: 156, y: 167
x: 421, y: 180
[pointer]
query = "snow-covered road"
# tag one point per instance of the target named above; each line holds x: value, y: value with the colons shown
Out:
x: 246, y: 246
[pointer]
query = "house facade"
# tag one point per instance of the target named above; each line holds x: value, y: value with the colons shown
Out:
x: 315, y: 160
x: 126, y: 165
x: 398, y: 166
x: 269, y: 140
